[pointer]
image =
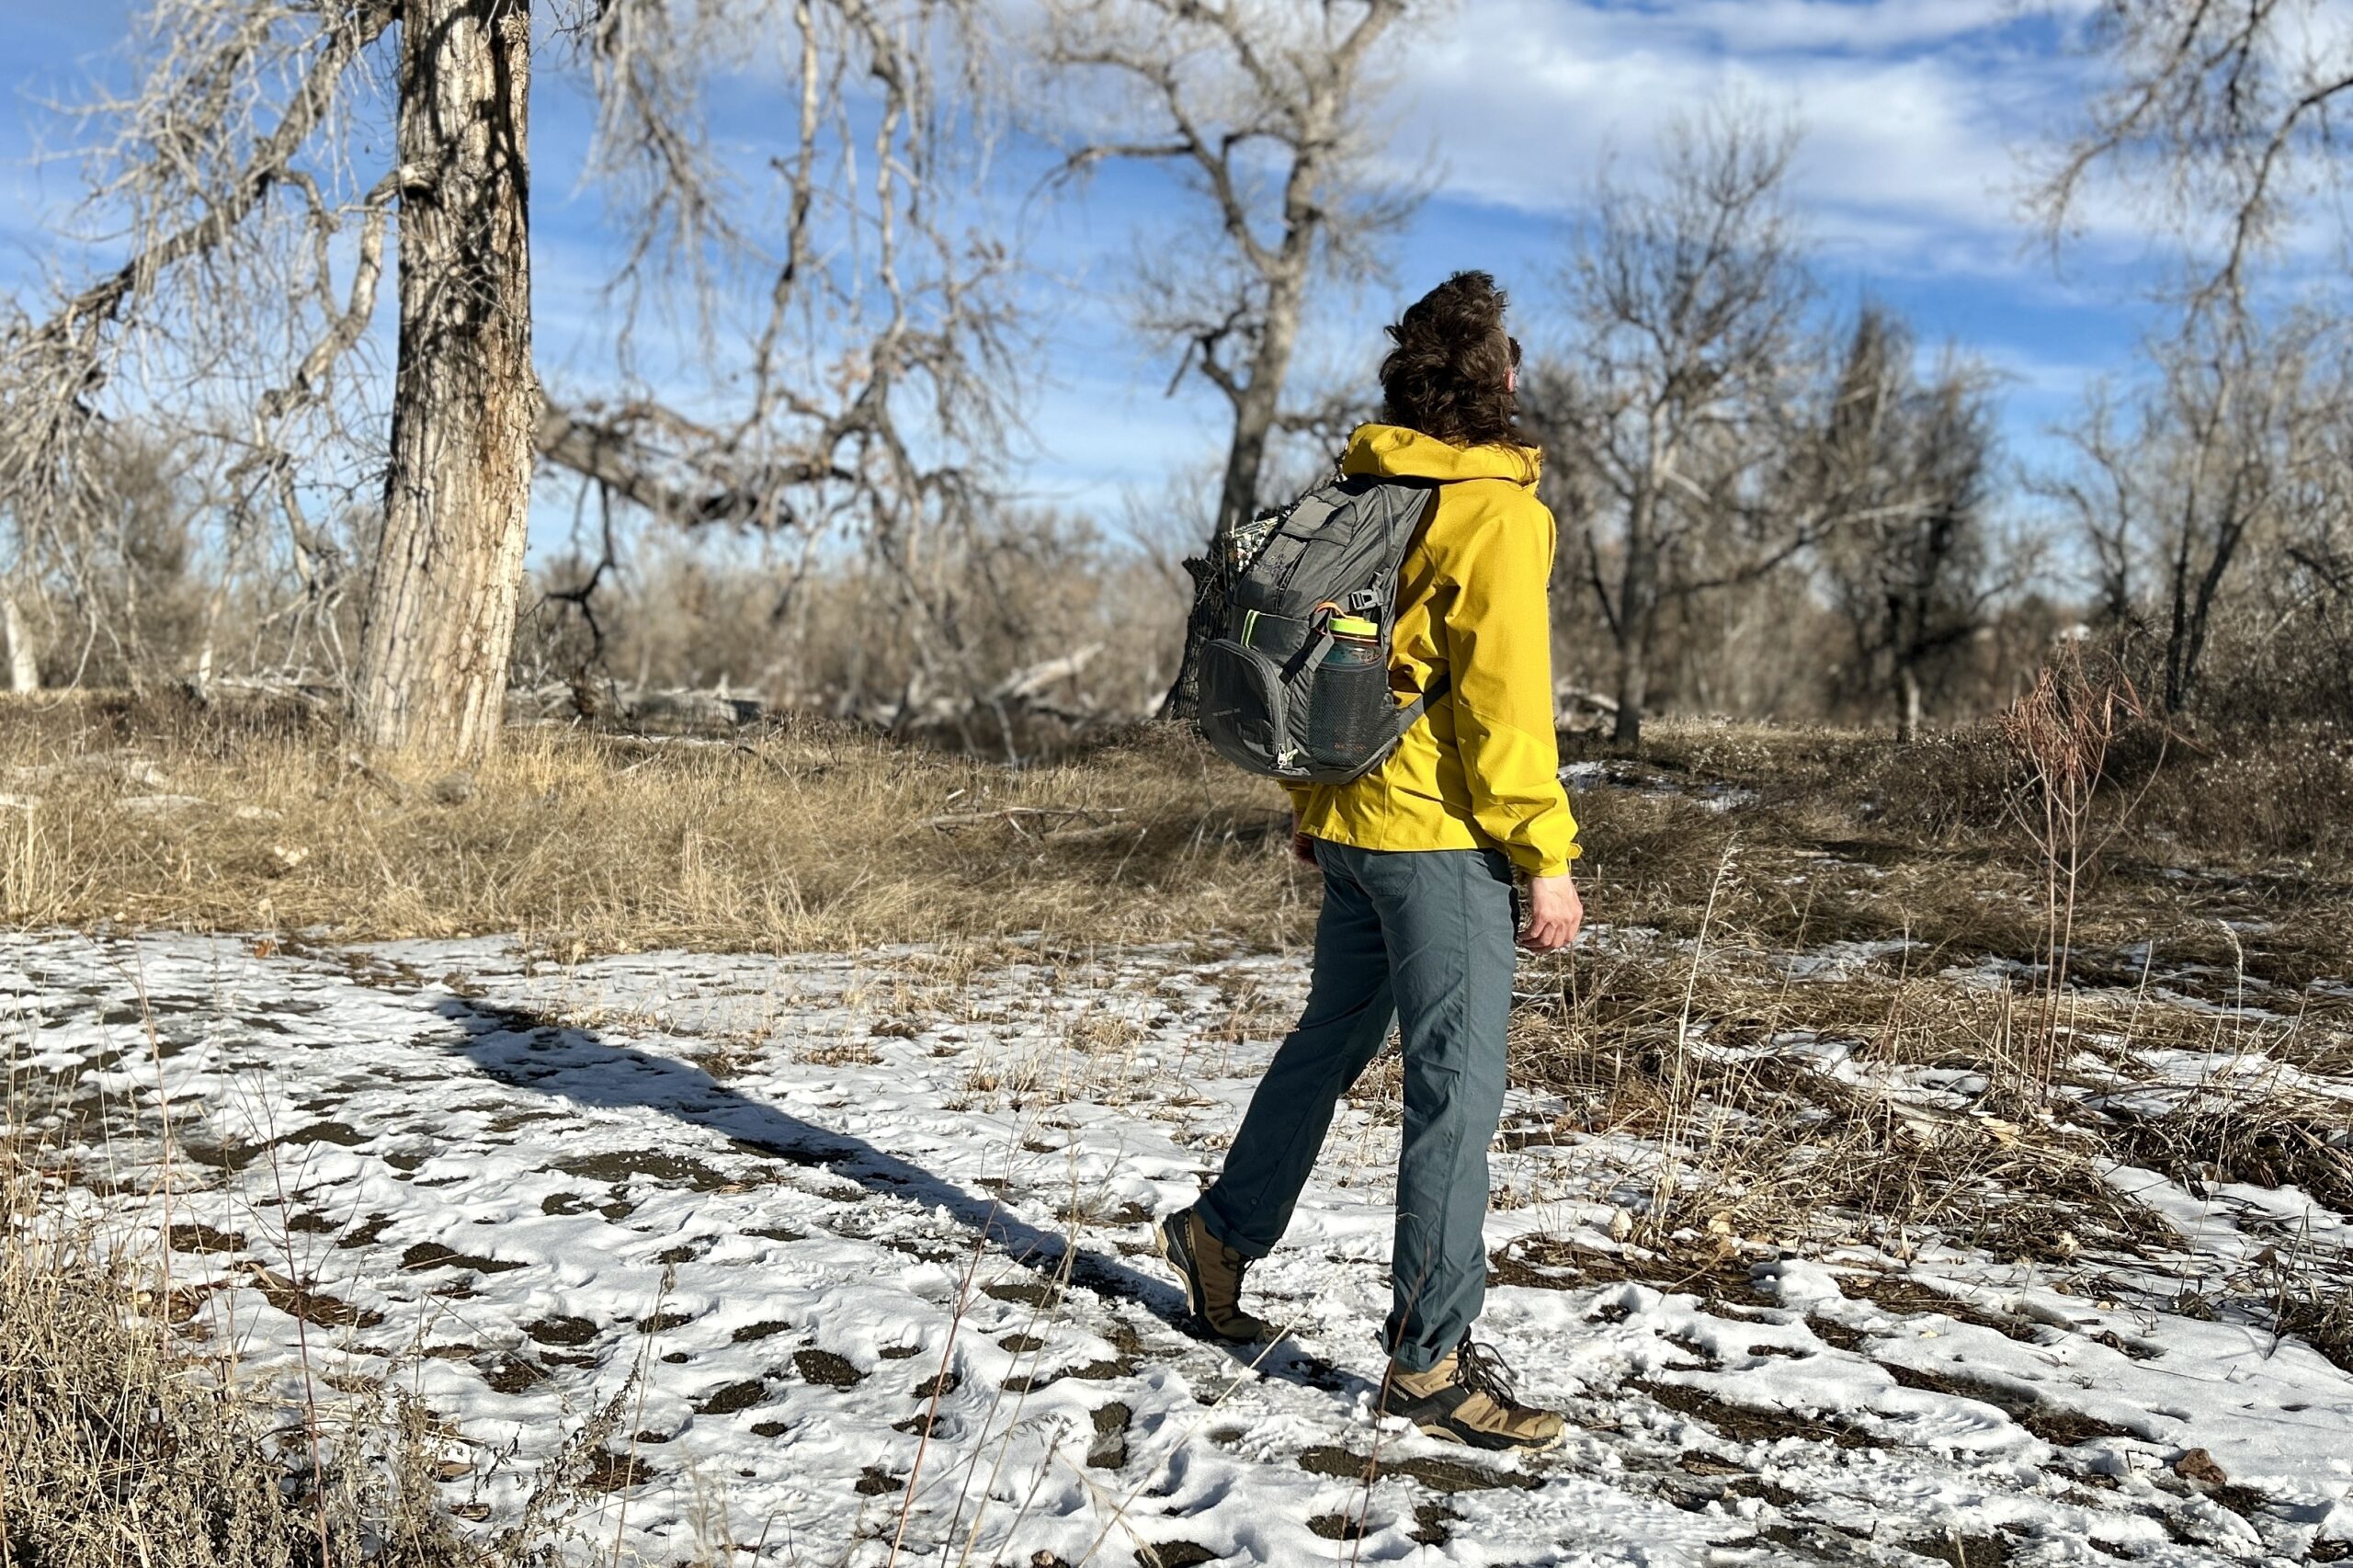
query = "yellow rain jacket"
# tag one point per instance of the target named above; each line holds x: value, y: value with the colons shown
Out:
x: 1482, y: 771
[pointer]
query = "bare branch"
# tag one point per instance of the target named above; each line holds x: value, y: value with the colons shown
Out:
x: 1689, y: 300
x: 2215, y: 113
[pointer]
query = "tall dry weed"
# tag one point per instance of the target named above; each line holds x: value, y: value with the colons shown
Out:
x: 2062, y: 731
x: 119, y: 1447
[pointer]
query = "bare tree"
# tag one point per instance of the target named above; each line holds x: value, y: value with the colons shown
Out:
x: 1911, y: 569
x: 1263, y: 108
x: 115, y: 586
x: 2301, y: 650
x: 880, y: 379
x: 2098, y: 494
x: 19, y: 584
x: 255, y: 246
x: 2318, y: 504
x: 2220, y: 113
x: 1670, y: 409
x: 2234, y: 421
x: 219, y: 175
x: 2226, y: 118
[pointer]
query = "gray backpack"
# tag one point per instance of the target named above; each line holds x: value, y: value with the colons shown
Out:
x: 1275, y: 698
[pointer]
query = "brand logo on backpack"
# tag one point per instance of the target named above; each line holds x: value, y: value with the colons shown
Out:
x: 1298, y: 687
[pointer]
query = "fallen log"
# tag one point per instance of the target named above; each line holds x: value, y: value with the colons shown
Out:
x: 1570, y: 697
x: 1045, y: 817
x: 632, y: 707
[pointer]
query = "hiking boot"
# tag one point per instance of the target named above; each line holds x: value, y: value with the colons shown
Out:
x: 1212, y: 1275
x: 1468, y: 1398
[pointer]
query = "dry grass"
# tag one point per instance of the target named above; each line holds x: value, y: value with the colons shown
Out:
x: 811, y: 835
x: 1752, y: 1113
x: 118, y: 1445
x: 820, y: 836
x: 1761, y: 1138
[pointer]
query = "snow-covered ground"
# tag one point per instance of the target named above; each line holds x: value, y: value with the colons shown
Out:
x: 783, y: 1217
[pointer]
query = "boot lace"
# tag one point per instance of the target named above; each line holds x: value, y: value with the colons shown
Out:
x: 1479, y: 1369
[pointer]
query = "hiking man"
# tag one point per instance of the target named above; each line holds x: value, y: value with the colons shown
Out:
x: 1418, y: 918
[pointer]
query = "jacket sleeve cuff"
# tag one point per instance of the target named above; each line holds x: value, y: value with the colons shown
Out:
x: 1545, y: 862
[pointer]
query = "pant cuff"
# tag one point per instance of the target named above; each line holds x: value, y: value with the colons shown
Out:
x: 1214, y: 1222
x: 1415, y: 1358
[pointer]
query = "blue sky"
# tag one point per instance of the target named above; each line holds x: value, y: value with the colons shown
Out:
x: 1917, y: 116
x: 1920, y: 120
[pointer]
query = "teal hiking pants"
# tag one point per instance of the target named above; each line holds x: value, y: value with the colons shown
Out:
x: 1423, y: 939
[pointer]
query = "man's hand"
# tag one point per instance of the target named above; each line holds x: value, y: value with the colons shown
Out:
x: 1302, y: 848
x: 1555, y: 914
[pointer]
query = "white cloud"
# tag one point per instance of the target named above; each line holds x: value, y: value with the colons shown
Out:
x: 1749, y: 26
x: 1915, y: 112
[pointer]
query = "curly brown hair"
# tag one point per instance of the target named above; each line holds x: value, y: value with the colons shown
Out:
x: 1448, y: 375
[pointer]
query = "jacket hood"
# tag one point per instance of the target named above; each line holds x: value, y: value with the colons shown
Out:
x: 1393, y: 452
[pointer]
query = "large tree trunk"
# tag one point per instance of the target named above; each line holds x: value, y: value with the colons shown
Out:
x: 24, y: 660
x: 2177, y: 627
x: 206, y: 650
x: 1907, y: 698
x: 2229, y: 529
x: 1245, y: 458
x: 1634, y: 691
x: 1203, y: 623
x: 440, y: 623
x: 1637, y: 620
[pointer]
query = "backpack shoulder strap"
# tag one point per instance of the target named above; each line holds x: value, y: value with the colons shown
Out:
x: 1411, y: 714
x: 1414, y: 517
x: 1414, y: 520
x: 1402, y: 521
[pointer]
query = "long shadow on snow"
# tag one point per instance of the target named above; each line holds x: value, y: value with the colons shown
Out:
x: 523, y: 1049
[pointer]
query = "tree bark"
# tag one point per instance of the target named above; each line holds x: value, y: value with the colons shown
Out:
x: 1253, y: 410
x: 440, y: 624
x: 2177, y: 628
x: 213, y: 602
x: 24, y: 660
x: 1246, y: 460
x: 1634, y: 691
x: 1637, y: 618
x: 2230, y: 528
x: 1907, y: 712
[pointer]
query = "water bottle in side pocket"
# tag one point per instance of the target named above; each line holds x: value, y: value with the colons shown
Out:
x: 1353, y: 714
